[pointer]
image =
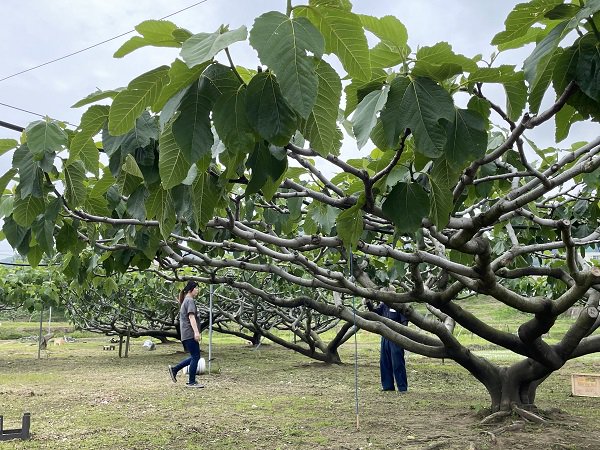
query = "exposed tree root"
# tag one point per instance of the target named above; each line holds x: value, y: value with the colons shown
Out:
x: 498, y: 415
x: 528, y: 415
x: 516, y: 426
x: 492, y: 436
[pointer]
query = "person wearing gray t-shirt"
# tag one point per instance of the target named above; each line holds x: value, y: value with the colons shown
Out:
x: 190, y: 334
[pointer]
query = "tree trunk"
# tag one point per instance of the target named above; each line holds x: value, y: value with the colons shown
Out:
x: 508, y: 387
x: 517, y: 386
x: 332, y: 357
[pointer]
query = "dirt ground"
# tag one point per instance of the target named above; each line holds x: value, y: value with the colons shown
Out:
x: 82, y: 397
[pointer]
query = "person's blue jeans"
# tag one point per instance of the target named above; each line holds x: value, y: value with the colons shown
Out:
x: 391, y: 366
x: 193, y: 348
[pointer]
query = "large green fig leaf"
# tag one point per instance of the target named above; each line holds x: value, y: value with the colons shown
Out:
x: 419, y: 104
x: 130, y: 103
x: 321, y: 126
x: 406, y: 206
x: 283, y: 44
x: 268, y: 112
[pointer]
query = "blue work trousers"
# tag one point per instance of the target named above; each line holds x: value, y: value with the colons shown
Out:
x: 193, y: 348
x: 392, y: 367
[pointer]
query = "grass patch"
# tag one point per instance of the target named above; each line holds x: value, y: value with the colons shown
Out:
x: 83, y: 397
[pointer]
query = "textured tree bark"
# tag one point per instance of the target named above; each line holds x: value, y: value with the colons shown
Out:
x: 515, y: 386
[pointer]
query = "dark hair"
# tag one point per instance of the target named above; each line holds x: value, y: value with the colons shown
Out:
x: 189, y: 287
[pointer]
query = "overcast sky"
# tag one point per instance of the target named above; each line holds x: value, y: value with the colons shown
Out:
x: 37, y: 31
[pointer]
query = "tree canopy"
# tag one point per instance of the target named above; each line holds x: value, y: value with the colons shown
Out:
x: 224, y: 169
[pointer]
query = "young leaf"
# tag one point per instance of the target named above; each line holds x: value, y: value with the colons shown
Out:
x: 385, y: 55
x: 16, y: 235
x: 520, y: 19
x: 129, y: 104
x: 439, y: 62
x: 386, y: 28
x: 535, y: 64
x: 322, y: 216
x: 88, y: 154
x: 34, y: 255
x: 97, y: 96
x: 365, y: 116
x: 564, y: 118
x: 6, y: 178
x: 157, y: 33
x: 538, y: 90
x: 128, y: 182
x: 357, y: 90
x: 43, y: 230
x: 513, y: 82
x: 203, y: 47
x: 7, y: 144
x: 136, y: 203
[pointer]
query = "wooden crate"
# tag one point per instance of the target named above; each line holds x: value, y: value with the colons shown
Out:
x: 585, y: 384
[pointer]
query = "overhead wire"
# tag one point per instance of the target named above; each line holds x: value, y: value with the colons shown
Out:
x: 24, y: 110
x: 95, y: 45
x: 19, y: 128
x: 14, y: 127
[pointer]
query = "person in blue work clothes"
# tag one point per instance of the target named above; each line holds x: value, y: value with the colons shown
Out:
x: 391, y: 359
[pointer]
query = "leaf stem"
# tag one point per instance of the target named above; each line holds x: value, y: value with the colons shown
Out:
x: 594, y: 27
x: 289, y: 8
x: 232, y: 65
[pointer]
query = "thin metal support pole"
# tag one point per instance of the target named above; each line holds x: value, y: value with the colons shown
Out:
x: 355, y: 344
x: 41, y: 331
x: 210, y: 325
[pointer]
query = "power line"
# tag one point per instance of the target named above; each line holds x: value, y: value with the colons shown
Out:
x: 34, y: 113
x: 95, y: 45
x: 12, y: 126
